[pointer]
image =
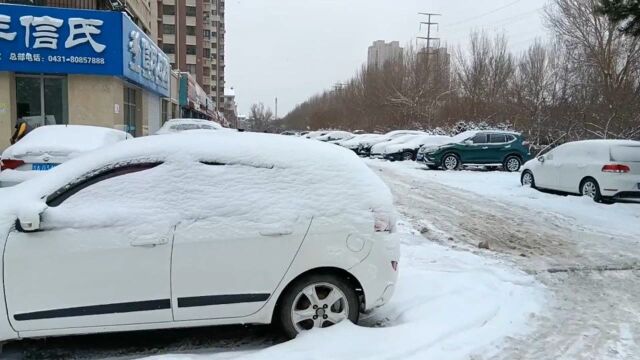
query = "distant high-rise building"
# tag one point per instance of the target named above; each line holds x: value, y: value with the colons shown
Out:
x: 192, y: 33
x: 381, y: 52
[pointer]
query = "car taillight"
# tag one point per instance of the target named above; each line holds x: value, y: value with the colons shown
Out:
x: 616, y: 168
x: 10, y: 164
x: 383, y: 221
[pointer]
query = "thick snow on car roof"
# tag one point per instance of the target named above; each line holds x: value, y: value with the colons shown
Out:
x: 65, y: 140
x: 251, y: 176
x: 177, y: 125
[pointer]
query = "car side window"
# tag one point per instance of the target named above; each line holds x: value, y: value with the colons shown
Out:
x: 497, y: 138
x: 479, y: 139
x: 109, y: 172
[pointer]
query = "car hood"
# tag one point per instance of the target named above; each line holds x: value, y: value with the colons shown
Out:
x: 394, y: 148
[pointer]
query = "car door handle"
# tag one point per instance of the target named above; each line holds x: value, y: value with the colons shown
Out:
x: 276, y: 232
x: 149, y: 242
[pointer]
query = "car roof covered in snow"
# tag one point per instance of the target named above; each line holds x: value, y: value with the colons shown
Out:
x: 178, y: 125
x: 336, y: 181
x: 606, y: 142
x: 66, y: 140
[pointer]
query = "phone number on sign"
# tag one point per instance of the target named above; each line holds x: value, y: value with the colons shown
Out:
x: 77, y: 59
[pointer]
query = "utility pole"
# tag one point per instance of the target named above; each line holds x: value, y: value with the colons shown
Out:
x: 428, y: 24
x: 276, y: 108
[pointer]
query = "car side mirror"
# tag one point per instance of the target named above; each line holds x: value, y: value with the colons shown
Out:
x: 29, y: 218
x: 541, y: 159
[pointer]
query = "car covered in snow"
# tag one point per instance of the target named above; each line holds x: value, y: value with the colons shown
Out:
x: 357, y: 141
x: 605, y: 170
x: 407, y: 148
x: 335, y: 136
x: 46, y: 147
x: 366, y: 146
x: 316, y: 134
x: 489, y: 148
x: 178, y: 125
x: 250, y: 232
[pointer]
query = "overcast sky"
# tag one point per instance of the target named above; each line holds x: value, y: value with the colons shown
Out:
x: 293, y: 49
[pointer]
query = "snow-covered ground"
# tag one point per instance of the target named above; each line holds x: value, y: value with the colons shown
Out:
x: 449, y: 305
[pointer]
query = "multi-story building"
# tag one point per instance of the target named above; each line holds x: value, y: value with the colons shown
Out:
x: 230, y: 107
x: 381, y: 52
x: 192, y: 32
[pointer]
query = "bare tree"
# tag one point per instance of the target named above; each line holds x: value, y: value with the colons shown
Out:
x: 260, y: 117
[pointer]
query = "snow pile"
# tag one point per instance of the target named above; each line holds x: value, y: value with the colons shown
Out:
x: 66, y: 140
x: 448, y: 305
x: 233, y: 177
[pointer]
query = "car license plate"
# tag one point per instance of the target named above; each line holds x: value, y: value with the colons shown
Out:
x: 42, y: 167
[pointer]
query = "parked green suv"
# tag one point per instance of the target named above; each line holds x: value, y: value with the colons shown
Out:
x: 489, y: 148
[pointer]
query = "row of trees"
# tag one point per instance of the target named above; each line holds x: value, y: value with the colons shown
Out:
x: 583, y: 83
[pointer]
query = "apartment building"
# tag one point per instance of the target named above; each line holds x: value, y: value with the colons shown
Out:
x: 381, y: 52
x: 192, y: 33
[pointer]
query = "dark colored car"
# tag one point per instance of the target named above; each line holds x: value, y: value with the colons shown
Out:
x: 488, y: 148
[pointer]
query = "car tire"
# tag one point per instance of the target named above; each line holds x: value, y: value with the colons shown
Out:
x: 590, y: 187
x: 317, y: 312
x: 512, y: 164
x: 527, y: 179
x: 451, y: 162
x: 408, y: 156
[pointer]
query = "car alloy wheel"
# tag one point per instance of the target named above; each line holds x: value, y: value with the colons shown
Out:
x: 450, y: 162
x: 317, y: 301
x: 319, y: 305
x: 407, y: 156
x: 527, y: 179
x: 513, y: 164
x: 589, y: 187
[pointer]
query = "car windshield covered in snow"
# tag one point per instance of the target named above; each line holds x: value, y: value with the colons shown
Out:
x: 178, y: 125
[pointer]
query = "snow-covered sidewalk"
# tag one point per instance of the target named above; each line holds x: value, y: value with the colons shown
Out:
x: 449, y: 305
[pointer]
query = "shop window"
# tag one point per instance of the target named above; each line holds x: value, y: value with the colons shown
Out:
x: 131, y: 107
x: 41, y: 100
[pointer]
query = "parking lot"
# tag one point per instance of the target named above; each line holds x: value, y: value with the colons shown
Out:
x: 559, y: 280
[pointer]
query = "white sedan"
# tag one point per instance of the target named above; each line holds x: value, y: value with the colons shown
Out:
x: 48, y: 146
x: 178, y: 125
x: 605, y: 170
x: 191, y: 230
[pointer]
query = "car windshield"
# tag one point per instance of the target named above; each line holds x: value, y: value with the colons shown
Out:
x: 463, y: 136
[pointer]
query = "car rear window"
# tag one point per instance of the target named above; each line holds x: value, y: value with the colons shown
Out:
x: 625, y: 153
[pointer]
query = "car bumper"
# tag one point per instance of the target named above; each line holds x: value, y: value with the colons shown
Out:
x: 15, y: 177
x: 624, y: 187
x: 394, y: 157
x: 376, y: 273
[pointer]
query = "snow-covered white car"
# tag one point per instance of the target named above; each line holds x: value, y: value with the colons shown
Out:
x: 316, y: 134
x: 197, y: 229
x: 357, y: 141
x: 45, y: 147
x: 407, y: 148
x: 178, y: 125
x: 366, y: 146
x: 335, y: 136
x: 605, y: 170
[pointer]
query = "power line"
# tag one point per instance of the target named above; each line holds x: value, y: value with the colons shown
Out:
x: 428, y: 24
x: 483, y: 14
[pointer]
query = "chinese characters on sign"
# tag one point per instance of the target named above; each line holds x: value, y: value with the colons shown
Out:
x: 46, y: 32
x: 146, y: 61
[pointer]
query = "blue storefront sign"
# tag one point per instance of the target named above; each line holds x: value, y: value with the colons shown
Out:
x: 49, y: 40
